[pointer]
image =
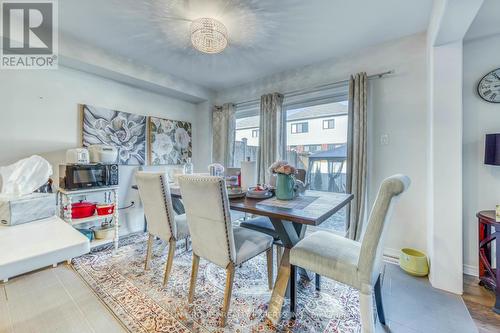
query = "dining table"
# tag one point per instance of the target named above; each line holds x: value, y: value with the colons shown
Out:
x: 289, y: 218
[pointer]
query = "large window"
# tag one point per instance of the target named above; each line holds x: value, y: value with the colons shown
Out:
x: 323, y: 154
x: 247, y: 139
x: 321, y: 150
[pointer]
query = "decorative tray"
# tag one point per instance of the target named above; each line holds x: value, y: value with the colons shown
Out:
x: 259, y: 195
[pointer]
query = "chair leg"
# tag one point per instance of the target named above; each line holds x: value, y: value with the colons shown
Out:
x: 170, y: 259
x: 149, y: 252
x: 227, y: 293
x: 186, y: 240
x: 293, y: 290
x: 279, y: 290
x: 366, y: 309
x: 269, y: 255
x: 194, y: 276
x: 378, y: 301
x: 318, y: 282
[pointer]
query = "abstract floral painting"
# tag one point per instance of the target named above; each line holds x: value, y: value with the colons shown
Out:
x: 125, y: 131
x: 170, y: 141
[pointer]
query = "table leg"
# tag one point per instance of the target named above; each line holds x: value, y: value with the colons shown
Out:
x: 289, y: 234
x: 279, y: 290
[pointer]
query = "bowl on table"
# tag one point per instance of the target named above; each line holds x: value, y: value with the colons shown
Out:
x: 235, y: 192
x: 259, y: 192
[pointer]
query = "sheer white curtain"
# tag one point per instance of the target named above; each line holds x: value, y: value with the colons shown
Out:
x: 272, y: 134
x: 357, y: 153
x: 223, y: 134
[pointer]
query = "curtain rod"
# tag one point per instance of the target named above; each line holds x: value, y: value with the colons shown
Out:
x: 318, y: 88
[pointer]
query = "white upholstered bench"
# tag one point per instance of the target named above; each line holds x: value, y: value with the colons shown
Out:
x: 34, y: 245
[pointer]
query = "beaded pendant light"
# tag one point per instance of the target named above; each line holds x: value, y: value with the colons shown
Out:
x: 208, y: 35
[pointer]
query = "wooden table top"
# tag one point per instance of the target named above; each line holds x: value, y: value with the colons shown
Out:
x: 488, y: 215
x: 325, y: 205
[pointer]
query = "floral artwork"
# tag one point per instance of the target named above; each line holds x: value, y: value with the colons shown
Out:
x: 125, y: 131
x: 170, y: 141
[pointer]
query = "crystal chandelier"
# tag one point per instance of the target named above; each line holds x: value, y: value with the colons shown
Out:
x: 208, y: 35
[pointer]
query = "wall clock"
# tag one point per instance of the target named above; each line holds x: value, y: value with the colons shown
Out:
x: 489, y: 86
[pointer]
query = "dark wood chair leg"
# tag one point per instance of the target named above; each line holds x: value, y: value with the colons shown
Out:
x: 318, y: 282
x: 378, y: 301
x: 293, y: 290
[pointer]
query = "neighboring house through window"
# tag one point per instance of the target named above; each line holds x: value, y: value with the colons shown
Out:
x: 255, y: 133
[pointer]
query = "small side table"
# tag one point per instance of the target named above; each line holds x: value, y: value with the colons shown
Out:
x: 489, y: 276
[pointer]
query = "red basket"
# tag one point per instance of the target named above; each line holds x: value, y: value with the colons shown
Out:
x: 105, y: 209
x: 82, y: 209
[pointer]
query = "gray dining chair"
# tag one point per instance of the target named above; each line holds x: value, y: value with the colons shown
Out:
x: 357, y: 264
x: 162, y: 222
x: 213, y: 236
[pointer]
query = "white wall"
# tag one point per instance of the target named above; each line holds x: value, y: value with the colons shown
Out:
x: 481, y: 183
x: 399, y: 104
x: 39, y: 115
x: 445, y: 165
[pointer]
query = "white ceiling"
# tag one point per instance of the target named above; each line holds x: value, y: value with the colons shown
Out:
x: 265, y: 36
x: 487, y: 21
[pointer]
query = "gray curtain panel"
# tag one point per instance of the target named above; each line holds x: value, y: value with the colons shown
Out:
x: 223, y: 134
x: 357, y: 153
x: 271, y: 135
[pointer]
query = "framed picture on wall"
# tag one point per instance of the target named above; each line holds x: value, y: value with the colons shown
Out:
x: 125, y: 131
x: 170, y: 141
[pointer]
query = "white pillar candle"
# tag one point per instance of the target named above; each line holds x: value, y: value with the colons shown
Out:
x: 248, y: 174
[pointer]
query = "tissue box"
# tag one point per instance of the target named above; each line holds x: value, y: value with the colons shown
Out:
x: 27, y: 208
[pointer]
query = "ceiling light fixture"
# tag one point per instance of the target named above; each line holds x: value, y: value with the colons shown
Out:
x: 208, y: 35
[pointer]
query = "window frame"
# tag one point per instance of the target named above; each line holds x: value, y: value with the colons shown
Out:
x: 255, y: 133
x: 302, y: 123
x: 327, y: 122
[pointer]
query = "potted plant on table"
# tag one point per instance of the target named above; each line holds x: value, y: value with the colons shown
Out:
x: 285, y: 179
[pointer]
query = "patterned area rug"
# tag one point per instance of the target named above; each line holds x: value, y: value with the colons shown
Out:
x: 140, y: 301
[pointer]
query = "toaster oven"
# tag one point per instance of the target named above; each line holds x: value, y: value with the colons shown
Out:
x: 80, y: 176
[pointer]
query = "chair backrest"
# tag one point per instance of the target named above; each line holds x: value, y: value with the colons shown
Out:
x: 155, y: 196
x: 301, y: 175
x: 380, y: 215
x: 209, y: 220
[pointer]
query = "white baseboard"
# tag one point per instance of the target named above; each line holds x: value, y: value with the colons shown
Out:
x: 471, y: 270
x: 391, y: 255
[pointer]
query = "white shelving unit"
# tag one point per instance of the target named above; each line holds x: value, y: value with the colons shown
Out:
x: 66, y: 199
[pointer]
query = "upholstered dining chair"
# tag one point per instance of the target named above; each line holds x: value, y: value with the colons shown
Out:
x: 162, y: 221
x: 213, y: 236
x: 357, y: 264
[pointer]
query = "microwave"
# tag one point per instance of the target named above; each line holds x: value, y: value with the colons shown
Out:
x: 82, y: 176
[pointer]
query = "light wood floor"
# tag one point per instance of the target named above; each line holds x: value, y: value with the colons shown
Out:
x: 479, y: 301
x: 53, y: 300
